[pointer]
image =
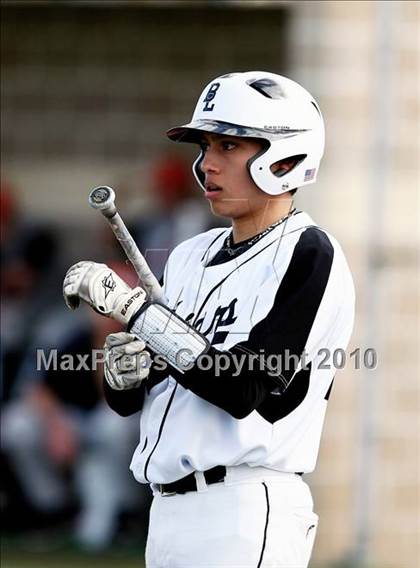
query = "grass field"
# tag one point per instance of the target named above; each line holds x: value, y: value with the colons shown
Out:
x: 77, y: 560
x: 30, y: 541
x: 112, y: 559
x: 56, y: 553
x: 49, y: 553
x: 68, y: 559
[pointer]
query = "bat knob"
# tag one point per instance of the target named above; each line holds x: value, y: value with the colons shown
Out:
x: 103, y: 198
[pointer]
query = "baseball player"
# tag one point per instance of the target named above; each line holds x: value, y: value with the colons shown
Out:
x: 231, y: 374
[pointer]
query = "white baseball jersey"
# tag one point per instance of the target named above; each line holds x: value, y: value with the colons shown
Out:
x: 288, y: 296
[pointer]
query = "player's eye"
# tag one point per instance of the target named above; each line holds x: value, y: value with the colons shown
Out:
x: 228, y: 145
x: 204, y: 147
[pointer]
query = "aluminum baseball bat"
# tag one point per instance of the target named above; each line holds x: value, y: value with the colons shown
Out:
x: 103, y: 199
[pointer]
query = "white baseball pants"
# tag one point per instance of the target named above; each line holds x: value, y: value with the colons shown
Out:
x: 256, y: 518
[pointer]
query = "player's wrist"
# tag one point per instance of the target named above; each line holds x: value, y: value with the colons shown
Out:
x: 129, y: 304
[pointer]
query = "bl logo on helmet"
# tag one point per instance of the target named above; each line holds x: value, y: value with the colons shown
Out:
x: 211, y: 93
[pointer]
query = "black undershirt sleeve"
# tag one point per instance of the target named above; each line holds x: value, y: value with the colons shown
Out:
x: 127, y: 402
x: 124, y: 402
x: 283, y: 332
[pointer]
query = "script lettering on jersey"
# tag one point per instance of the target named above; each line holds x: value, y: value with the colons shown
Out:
x: 211, y: 93
x: 223, y: 317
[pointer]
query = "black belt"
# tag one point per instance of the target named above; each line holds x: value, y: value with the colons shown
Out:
x: 188, y: 483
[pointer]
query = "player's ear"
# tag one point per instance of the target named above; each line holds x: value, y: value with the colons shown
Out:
x: 283, y: 166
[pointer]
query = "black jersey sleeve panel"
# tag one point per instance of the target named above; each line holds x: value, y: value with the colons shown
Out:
x: 275, y: 406
x: 283, y: 332
x: 286, y: 328
x: 236, y: 393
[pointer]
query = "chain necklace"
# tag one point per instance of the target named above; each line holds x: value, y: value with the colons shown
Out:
x: 234, y: 251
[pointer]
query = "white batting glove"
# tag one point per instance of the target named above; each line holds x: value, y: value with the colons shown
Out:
x: 127, y: 363
x: 103, y: 289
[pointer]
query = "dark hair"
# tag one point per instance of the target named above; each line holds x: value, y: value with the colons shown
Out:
x: 293, y: 191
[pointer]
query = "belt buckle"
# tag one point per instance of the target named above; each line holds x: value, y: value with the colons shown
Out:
x: 165, y: 493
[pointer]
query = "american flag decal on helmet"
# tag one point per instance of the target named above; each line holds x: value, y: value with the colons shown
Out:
x: 309, y: 174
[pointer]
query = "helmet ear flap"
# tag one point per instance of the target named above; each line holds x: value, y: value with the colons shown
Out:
x: 294, y: 160
x: 198, y: 172
x: 264, y: 148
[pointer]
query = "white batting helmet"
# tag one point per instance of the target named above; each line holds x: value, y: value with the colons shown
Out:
x: 267, y: 106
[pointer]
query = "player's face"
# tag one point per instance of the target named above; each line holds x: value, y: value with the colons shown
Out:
x: 229, y: 187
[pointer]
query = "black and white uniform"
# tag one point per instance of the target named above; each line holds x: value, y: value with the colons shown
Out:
x: 285, y: 294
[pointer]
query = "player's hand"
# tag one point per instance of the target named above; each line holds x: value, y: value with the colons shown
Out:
x: 127, y: 363
x: 103, y: 289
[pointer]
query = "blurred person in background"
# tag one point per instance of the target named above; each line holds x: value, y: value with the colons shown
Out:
x: 57, y: 429
x: 178, y: 215
x: 29, y: 256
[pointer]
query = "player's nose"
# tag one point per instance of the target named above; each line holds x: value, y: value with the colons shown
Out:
x: 209, y: 163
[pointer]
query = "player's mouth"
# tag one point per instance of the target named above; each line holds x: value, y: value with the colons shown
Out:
x: 212, y: 190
